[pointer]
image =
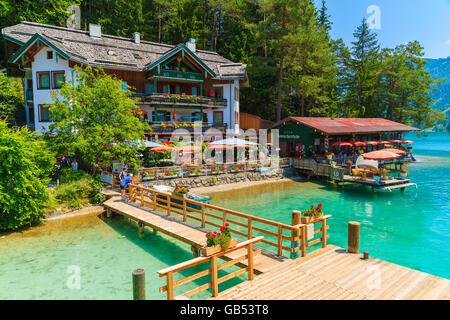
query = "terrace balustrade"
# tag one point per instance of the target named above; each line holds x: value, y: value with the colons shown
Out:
x: 179, y: 99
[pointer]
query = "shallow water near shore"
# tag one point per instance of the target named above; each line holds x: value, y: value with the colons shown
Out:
x: 43, y: 262
x: 410, y: 228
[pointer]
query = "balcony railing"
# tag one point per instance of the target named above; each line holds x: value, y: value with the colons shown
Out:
x: 178, y: 99
x: 175, y: 74
x: 168, y: 126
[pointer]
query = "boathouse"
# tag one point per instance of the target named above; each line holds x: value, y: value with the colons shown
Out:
x: 298, y: 135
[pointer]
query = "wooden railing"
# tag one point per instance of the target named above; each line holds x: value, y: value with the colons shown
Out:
x: 213, y: 270
x: 241, y: 224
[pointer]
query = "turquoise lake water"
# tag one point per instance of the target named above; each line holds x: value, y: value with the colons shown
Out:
x: 410, y: 228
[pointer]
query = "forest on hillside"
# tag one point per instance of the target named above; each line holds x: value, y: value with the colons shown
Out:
x: 294, y: 66
x: 440, y: 69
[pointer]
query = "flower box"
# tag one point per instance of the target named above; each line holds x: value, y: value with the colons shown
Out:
x: 208, y: 251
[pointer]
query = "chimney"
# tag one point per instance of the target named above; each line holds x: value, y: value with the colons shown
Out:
x: 95, y: 30
x: 191, y: 44
x: 137, y: 37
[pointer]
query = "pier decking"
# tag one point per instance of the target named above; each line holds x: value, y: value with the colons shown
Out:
x: 332, y: 273
x: 326, y: 273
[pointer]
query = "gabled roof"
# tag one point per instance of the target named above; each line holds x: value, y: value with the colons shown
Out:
x: 174, y: 51
x: 115, y: 52
x: 348, y: 125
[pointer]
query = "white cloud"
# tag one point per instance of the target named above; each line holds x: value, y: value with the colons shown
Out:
x: 448, y: 42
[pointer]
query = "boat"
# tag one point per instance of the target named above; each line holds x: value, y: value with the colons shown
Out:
x: 189, y: 195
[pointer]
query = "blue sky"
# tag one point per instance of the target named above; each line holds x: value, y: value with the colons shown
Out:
x: 427, y: 21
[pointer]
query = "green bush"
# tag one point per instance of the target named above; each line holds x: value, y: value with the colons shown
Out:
x: 78, y: 188
x: 25, y: 163
x: 68, y: 175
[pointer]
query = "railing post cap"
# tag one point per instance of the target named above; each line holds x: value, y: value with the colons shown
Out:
x: 354, y: 223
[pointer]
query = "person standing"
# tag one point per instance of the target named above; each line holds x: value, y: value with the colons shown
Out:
x: 74, y: 165
x: 123, y: 177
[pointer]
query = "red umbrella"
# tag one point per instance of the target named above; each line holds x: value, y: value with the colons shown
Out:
x: 383, y: 142
x: 161, y: 149
x: 371, y: 143
x: 174, y: 116
x: 396, y: 141
x: 408, y: 141
x: 219, y: 147
x: 358, y: 143
x: 342, y: 144
x: 381, y: 155
x: 398, y: 151
x: 189, y: 149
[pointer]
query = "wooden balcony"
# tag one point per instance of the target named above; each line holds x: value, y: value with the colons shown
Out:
x: 177, y: 75
x: 168, y: 126
x: 170, y: 99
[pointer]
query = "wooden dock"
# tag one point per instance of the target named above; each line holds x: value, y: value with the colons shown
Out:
x: 326, y: 273
x: 333, y: 274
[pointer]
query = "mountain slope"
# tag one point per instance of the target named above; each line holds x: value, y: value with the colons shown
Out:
x: 440, y: 68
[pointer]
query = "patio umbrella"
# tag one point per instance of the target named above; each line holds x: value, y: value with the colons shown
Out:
x: 383, y: 142
x: 371, y: 143
x: 396, y: 141
x: 398, y: 151
x: 189, y: 149
x: 161, y: 149
x: 151, y: 144
x: 407, y: 141
x: 234, y: 142
x: 381, y: 155
x: 342, y: 144
x: 358, y: 143
x: 219, y: 147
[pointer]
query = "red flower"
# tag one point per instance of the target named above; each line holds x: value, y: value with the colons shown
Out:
x: 214, y: 236
x: 222, y: 228
x: 312, y: 206
x: 319, y: 205
x: 312, y: 212
x: 219, y: 234
x: 226, y: 224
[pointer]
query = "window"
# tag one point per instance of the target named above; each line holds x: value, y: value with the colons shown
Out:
x: 236, y: 94
x: 218, y: 92
x: 44, y: 113
x: 194, y: 91
x: 59, y: 78
x: 148, y: 88
x: 43, y: 80
x: 218, y: 117
x: 161, y: 116
x: 49, y: 55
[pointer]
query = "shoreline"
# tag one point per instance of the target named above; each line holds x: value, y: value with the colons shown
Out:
x: 81, y: 212
x: 241, y: 185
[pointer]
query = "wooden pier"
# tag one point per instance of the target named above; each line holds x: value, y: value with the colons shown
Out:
x: 333, y: 274
x: 328, y: 272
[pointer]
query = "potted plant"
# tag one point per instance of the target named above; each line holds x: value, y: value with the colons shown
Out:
x: 311, y: 215
x: 255, y: 167
x: 180, y: 191
x: 403, y: 173
x: 217, y: 170
x: 236, y: 169
x: 218, y: 241
x: 194, y: 172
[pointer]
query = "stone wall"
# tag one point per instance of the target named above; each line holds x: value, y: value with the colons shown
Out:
x: 211, y: 180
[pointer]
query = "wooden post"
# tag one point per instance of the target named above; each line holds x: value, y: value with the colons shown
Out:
x: 142, y: 197
x: 324, y: 233
x: 280, y: 241
x: 353, y: 236
x: 215, y: 285
x: 139, y: 284
x: 194, y: 251
x: 296, y: 218
x: 169, y: 201
x: 108, y: 213
x: 184, y: 210
x: 203, y: 216
x: 250, y: 261
x: 303, y: 244
x: 250, y: 227
x: 169, y: 286
x: 141, y: 227
x: 154, y: 200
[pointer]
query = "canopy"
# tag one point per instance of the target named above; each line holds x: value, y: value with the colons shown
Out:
x: 383, y: 142
x: 234, y: 142
x: 151, y: 144
x: 358, y: 143
x: 342, y: 144
x: 361, y: 162
x: 371, y: 143
x: 161, y: 149
x: 398, y: 151
x: 381, y: 155
x: 396, y: 141
x: 408, y: 141
x: 219, y: 147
